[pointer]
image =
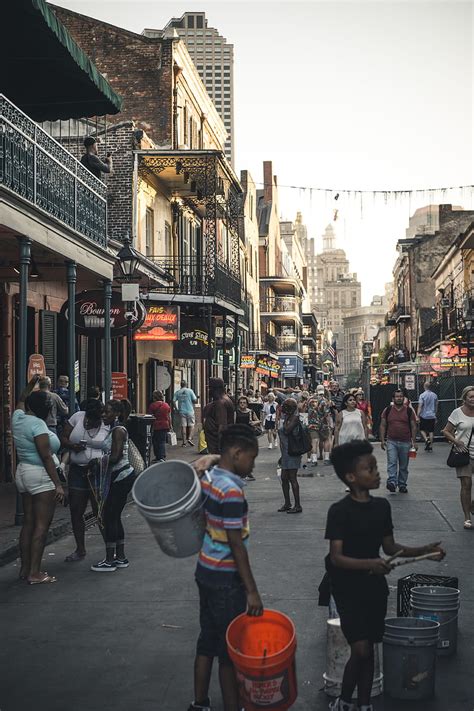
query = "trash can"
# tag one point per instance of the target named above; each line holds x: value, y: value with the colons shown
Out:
x: 409, y: 657
x: 139, y: 430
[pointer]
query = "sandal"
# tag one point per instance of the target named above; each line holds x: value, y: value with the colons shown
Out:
x: 468, y: 524
x: 285, y: 507
x: 295, y: 509
x: 74, y: 557
x: 42, y: 581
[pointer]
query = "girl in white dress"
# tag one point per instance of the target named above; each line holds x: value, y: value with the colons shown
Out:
x: 351, y: 423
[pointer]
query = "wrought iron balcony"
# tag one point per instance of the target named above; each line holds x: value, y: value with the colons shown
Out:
x: 280, y: 304
x: 263, y: 342
x: 40, y: 171
x: 287, y: 344
x: 196, y: 276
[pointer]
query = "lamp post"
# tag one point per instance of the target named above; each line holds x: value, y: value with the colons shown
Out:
x: 128, y: 261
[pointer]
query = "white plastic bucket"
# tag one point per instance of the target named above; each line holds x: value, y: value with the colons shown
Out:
x: 337, y: 656
x: 441, y: 605
x: 168, y: 495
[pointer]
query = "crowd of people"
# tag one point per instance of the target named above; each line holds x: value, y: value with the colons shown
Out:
x: 88, y: 449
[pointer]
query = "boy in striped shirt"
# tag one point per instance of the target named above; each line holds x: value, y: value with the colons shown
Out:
x: 223, y: 574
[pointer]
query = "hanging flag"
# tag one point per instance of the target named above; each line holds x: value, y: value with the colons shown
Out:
x: 332, y: 352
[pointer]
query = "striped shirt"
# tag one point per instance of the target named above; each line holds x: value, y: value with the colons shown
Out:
x: 225, y: 508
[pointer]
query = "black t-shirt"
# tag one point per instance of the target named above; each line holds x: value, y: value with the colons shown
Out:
x: 361, y: 526
x: 94, y: 164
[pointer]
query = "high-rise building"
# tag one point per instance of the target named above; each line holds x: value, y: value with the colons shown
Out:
x: 214, y: 60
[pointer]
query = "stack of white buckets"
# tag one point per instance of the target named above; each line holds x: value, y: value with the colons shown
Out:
x: 410, y: 646
x: 168, y: 495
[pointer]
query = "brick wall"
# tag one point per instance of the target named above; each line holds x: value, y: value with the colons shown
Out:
x: 138, y: 68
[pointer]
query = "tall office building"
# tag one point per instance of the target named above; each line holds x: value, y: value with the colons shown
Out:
x: 214, y: 60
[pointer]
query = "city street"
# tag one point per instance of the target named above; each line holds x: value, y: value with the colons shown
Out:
x: 126, y: 641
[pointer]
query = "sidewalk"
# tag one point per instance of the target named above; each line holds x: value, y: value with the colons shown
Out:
x: 126, y: 641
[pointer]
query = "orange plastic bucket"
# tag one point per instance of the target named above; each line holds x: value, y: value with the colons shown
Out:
x: 263, y: 652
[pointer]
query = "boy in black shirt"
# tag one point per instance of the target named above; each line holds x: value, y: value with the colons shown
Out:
x: 357, y: 526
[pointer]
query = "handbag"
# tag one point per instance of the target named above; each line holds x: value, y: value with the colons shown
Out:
x: 457, y: 459
x: 171, y: 438
x: 299, y: 440
x: 135, y: 458
x: 202, y: 444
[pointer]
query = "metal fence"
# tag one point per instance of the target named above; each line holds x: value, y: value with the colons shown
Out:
x: 447, y: 386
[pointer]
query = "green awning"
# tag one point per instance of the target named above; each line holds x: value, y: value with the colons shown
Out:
x: 44, y: 71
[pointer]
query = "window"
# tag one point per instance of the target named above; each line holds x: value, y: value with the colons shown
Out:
x: 168, y: 242
x: 149, y: 228
x: 191, y: 21
x: 199, y: 21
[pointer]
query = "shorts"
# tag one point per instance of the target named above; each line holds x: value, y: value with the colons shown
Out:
x: 218, y: 606
x: 362, y: 618
x: 269, y: 424
x: 468, y: 470
x: 314, y: 434
x: 427, y: 425
x: 188, y: 420
x: 33, y: 479
x: 77, y: 479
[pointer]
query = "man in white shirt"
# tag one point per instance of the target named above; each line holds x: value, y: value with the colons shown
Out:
x: 185, y: 398
x: 426, y: 415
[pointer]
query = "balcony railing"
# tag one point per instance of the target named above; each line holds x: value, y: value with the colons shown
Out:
x: 288, y: 343
x: 194, y: 276
x: 40, y: 171
x: 263, y: 342
x: 280, y: 304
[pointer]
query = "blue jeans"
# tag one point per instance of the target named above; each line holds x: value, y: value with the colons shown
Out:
x: 397, y: 462
x: 159, y: 443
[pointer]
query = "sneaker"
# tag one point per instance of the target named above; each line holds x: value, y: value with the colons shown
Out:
x: 340, y: 705
x: 190, y: 442
x: 391, y: 487
x: 104, y: 567
x: 403, y: 490
x: 184, y: 444
x: 427, y: 446
x: 270, y: 446
x: 249, y: 477
x: 121, y: 563
x: 200, y: 707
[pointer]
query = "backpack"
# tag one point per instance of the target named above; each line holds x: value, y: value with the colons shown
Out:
x: 410, y: 410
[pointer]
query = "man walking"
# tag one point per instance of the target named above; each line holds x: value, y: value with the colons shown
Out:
x: 397, y: 436
x: 184, y: 398
x: 337, y: 395
x: 58, y: 406
x: 426, y: 415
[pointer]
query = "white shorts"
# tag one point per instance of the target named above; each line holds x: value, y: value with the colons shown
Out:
x: 32, y: 479
x: 188, y: 420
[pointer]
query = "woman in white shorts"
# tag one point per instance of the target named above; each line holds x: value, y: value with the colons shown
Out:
x: 459, y: 431
x: 36, y: 478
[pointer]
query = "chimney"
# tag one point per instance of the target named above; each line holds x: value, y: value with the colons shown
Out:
x: 267, y: 181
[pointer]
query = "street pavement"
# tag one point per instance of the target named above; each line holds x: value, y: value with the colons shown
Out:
x: 125, y: 641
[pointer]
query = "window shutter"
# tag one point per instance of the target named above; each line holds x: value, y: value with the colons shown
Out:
x: 49, y: 343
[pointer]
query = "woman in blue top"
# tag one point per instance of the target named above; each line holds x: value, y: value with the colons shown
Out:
x: 36, y: 478
x: 122, y: 477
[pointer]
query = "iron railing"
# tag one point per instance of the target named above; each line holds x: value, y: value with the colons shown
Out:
x: 195, y: 276
x: 262, y: 342
x: 431, y: 336
x: 39, y: 170
x: 280, y: 304
x: 288, y: 343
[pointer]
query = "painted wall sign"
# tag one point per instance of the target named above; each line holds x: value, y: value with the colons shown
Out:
x: 161, y: 324
x: 90, y: 314
x: 193, y: 340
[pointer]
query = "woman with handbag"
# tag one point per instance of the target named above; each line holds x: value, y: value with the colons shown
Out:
x: 245, y: 416
x: 289, y: 463
x: 459, y: 431
x: 121, y: 475
x: 83, y: 436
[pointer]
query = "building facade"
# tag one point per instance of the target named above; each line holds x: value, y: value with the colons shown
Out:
x: 214, y: 60
x: 361, y: 327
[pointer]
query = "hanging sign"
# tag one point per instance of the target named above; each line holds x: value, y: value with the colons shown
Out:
x: 291, y: 366
x: 262, y: 366
x: 247, y: 361
x: 193, y: 341
x: 410, y: 381
x: 36, y: 366
x: 161, y: 324
x: 89, y: 307
x: 119, y: 386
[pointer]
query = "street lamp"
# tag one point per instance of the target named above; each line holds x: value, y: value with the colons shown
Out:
x: 128, y: 261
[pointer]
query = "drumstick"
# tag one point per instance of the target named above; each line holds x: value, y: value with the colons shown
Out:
x: 426, y: 556
x: 395, y: 555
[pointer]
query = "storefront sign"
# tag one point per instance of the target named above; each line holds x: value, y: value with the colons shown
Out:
x: 194, y: 339
x: 262, y: 366
x: 247, y: 361
x: 161, y: 324
x: 219, y: 333
x: 36, y: 366
x: 90, y: 314
x: 119, y: 386
x: 291, y: 366
x: 410, y: 381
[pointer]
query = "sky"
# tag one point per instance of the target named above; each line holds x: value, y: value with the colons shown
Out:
x: 345, y: 96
